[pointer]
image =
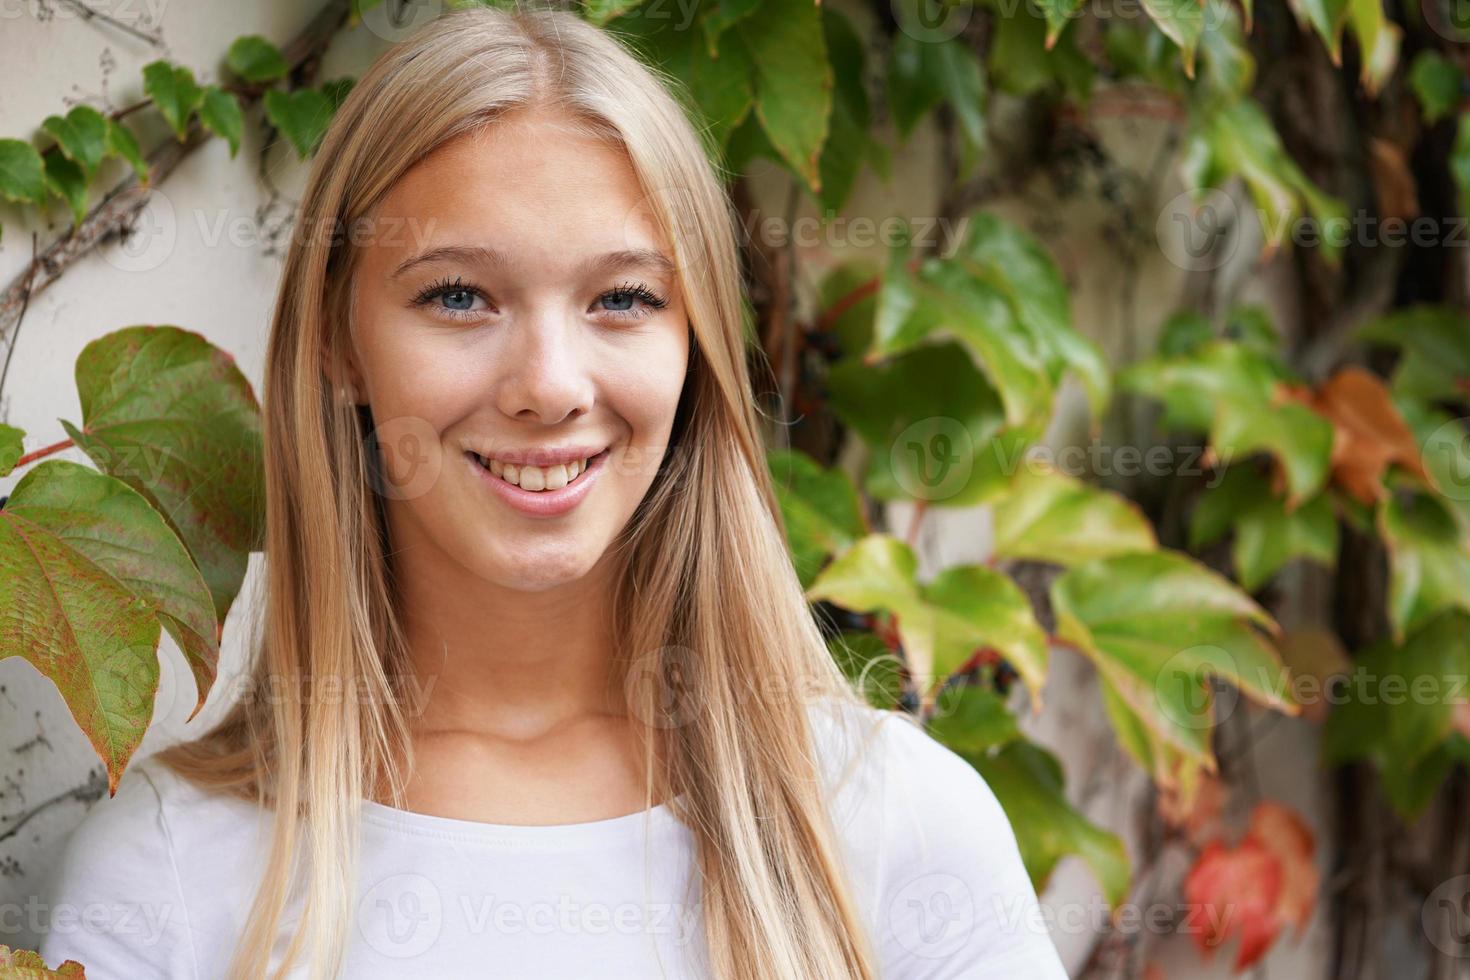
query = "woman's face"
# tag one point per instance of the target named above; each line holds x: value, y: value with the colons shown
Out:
x: 515, y: 305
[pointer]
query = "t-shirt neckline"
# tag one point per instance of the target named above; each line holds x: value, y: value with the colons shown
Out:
x: 609, y: 829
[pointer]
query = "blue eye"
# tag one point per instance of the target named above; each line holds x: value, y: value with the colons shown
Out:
x: 629, y: 293
x: 458, y: 298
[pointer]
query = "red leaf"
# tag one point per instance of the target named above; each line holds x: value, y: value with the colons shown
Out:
x: 1236, y: 891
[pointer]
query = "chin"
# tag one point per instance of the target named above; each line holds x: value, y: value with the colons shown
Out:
x: 536, y: 570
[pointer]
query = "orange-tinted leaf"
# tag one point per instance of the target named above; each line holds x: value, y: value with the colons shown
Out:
x: 1282, y: 832
x: 1197, y: 814
x: 1237, y: 891
x: 21, y: 964
x: 1369, y: 434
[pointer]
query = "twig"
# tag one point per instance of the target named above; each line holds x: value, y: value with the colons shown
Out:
x: 88, y: 13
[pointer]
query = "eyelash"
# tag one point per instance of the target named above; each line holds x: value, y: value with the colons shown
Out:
x: 652, y: 301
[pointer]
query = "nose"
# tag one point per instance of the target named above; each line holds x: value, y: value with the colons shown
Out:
x: 546, y: 374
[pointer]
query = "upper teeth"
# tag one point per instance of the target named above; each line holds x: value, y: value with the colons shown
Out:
x: 538, y: 477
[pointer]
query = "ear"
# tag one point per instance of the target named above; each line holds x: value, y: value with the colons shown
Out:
x: 341, y: 372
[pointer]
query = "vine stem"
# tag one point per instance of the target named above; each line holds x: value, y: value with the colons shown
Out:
x: 43, y: 452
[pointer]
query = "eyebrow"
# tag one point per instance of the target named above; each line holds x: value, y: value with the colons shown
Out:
x: 641, y: 258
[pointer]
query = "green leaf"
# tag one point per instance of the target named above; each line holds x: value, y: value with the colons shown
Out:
x: 721, y: 88
x: 82, y: 136
x: 121, y: 142
x: 724, y: 15
x: 1437, y: 82
x: 1232, y: 392
x: 923, y: 75
x: 1158, y: 625
x: 220, y: 113
x: 972, y: 720
x: 1021, y: 63
x: 1429, y: 565
x: 172, y: 416
x: 256, y: 59
x: 1027, y: 780
x: 1014, y: 262
x: 1228, y: 67
x: 1183, y: 22
x: 174, y: 91
x: 1327, y: 17
x: 85, y: 572
x: 1234, y: 137
x: 301, y: 116
x: 337, y: 91
x: 874, y: 670
x: 936, y: 426
x: 1404, y: 721
x: 1267, y: 536
x: 1052, y: 517
x: 820, y: 508
x: 1057, y: 13
x: 1184, y: 332
x: 793, y: 81
x: 943, y: 623
x: 110, y: 524
x: 848, y: 140
x: 22, y: 174
x: 1435, y: 341
x: 66, y: 180
x: 599, y: 12
x: 12, y: 448
x: 1379, y: 40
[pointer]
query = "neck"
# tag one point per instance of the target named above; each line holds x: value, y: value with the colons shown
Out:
x: 505, y: 661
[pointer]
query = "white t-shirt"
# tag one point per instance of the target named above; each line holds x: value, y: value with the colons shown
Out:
x: 156, y: 882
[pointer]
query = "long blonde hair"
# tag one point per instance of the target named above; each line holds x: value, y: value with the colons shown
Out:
x: 705, y: 586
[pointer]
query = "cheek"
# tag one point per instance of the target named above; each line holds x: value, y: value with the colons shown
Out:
x: 645, y: 390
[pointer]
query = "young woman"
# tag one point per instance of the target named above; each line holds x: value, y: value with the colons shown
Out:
x: 538, y: 694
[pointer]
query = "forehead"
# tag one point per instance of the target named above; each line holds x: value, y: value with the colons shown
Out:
x: 529, y: 184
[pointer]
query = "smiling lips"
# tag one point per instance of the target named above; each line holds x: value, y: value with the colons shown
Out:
x: 536, y: 478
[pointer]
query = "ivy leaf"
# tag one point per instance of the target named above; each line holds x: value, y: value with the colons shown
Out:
x: 82, y: 135
x: 1183, y: 22
x: 1028, y: 782
x: 942, y: 623
x: 1379, y: 40
x: 1435, y: 345
x: 65, y: 179
x: 109, y: 523
x: 1155, y: 624
x: 599, y: 12
x: 721, y: 86
x: 171, y: 415
x: 1241, y: 887
x: 121, y: 142
x: 301, y: 116
x: 870, y: 666
x: 1238, y: 396
x: 848, y: 140
x: 1436, y: 80
x: 220, y: 113
x: 724, y: 15
x: 1233, y: 137
x: 936, y: 426
x: 1267, y: 536
x: 972, y: 720
x: 793, y: 81
x: 1405, y: 737
x: 86, y: 568
x: 1429, y: 565
x: 1049, y: 516
x: 256, y: 59
x: 1327, y: 17
x: 1014, y: 262
x: 12, y: 448
x: 820, y: 508
x: 1021, y: 62
x: 22, y: 173
x: 336, y: 91
x: 923, y: 75
x: 1057, y: 14
x: 1228, y: 67
x: 174, y: 91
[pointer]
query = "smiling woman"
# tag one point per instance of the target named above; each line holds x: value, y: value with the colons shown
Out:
x: 512, y: 460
